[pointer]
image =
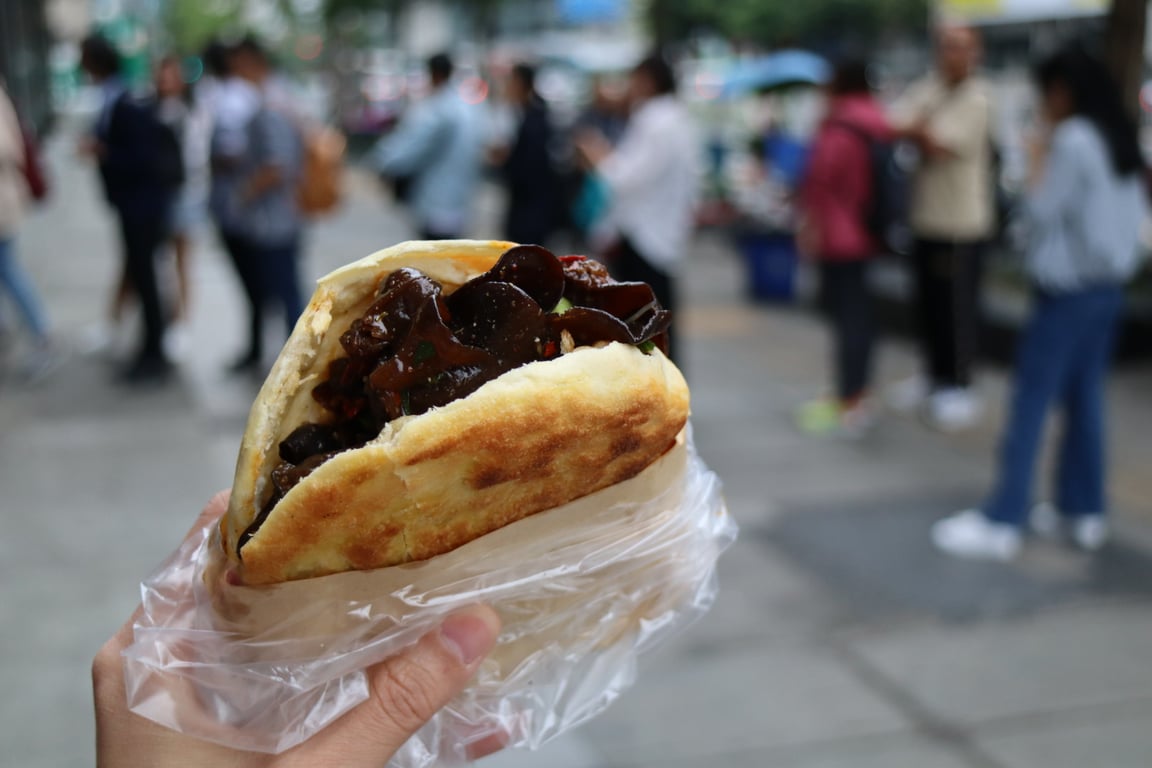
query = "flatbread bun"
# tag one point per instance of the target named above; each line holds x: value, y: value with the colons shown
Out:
x: 534, y: 438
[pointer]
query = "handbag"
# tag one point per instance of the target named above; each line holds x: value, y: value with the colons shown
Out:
x: 34, y: 174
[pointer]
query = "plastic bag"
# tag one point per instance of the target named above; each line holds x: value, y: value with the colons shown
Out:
x: 582, y: 589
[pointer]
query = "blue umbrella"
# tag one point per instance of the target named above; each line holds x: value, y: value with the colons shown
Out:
x: 777, y: 70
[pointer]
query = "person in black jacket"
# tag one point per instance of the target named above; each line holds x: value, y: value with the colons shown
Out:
x: 527, y: 169
x: 141, y: 169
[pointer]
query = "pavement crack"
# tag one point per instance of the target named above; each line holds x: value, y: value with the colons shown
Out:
x: 955, y: 738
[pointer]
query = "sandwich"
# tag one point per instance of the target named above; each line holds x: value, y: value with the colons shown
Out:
x: 435, y: 392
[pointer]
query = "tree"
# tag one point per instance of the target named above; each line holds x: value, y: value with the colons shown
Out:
x: 483, y: 13
x: 191, y: 23
x: 777, y: 23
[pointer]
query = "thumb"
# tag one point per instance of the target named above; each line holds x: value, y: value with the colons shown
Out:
x: 405, y: 692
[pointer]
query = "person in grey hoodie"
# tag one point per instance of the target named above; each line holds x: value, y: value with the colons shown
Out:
x: 437, y: 149
x: 1085, y: 206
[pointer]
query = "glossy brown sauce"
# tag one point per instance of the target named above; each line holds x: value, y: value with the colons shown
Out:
x: 415, y: 348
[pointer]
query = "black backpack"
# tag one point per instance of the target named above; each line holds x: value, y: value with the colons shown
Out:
x: 892, y: 164
x: 168, y: 152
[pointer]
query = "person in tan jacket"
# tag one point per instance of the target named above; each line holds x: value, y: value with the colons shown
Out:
x: 948, y: 116
x: 14, y: 281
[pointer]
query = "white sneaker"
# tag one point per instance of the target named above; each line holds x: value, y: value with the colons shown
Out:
x: 1088, y: 532
x: 971, y: 535
x: 177, y: 342
x: 110, y: 342
x: 953, y: 409
x: 908, y: 395
x: 41, y: 362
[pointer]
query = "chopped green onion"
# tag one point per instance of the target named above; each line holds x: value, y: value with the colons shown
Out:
x: 646, y: 346
x: 562, y: 306
x: 425, y: 350
x: 406, y: 403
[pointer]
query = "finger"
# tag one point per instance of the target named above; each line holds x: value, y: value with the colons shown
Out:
x: 406, y: 691
x: 487, y: 746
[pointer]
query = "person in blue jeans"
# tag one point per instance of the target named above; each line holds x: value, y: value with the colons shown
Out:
x: 14, y: 280
x: 1084, y: 207
x: 270, y: 224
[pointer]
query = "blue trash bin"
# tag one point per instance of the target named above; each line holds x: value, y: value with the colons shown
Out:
x: 770, y: 260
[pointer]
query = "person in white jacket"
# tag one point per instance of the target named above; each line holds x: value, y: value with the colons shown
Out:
x: 653, y: 178
x: 14, y: 281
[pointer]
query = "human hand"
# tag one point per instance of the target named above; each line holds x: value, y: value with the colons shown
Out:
x: 498, y: 155
x: 807, y: 237
x: 592, y: 147
x: 405, y: 692
x: 919, y: 135
x: 1037, y: 147
x: 90, y: 147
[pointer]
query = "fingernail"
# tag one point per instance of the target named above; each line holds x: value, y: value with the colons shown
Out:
x: 469, y: 636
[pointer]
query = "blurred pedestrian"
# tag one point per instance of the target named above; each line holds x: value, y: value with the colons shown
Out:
x: 653, y: 177
x: 42, y: 356
x: 268, y: 221
x: 232, y: 102
x: 947, y: 115
x: 141, y: 167
x: 526, y: 165
x: 191, y: 121
x: 1084, y: 208
x: 606, y: 113
x: 835, y: 195
x: 437, y: 148
x: 585, y: 192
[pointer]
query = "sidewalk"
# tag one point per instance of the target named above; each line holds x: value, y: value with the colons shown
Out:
x: 840, y: 640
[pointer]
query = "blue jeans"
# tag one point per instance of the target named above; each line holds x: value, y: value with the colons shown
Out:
x: 15, y: 281
x: 280, y: 273
x: 1062, y: 359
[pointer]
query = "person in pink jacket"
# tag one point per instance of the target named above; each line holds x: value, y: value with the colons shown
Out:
x: 835, y: 195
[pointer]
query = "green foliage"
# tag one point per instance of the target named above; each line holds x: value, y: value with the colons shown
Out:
x: 333, y: 8
x: 191, y: 23
x: 776, y: 22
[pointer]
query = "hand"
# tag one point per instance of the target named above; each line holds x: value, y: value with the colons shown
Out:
x: 592, y: 147
x: 807, y: 238
x: 498, y: 155
x: 1038, y: 146
x: 90, y: 146
x: 406, y: 691
x: 919, y: 135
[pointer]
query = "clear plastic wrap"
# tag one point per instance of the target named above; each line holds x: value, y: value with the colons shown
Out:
x: 582, y: 590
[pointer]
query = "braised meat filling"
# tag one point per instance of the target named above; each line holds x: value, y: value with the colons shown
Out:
x: 416, y: 348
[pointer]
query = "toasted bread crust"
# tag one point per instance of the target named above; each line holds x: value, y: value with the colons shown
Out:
x: 532, y: 439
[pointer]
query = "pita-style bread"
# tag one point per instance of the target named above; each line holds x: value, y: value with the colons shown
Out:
x: 532, y: 439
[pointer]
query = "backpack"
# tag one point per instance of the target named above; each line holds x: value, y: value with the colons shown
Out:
x: 892, y: 164
x: 320, y: 187
x: 168, y: 160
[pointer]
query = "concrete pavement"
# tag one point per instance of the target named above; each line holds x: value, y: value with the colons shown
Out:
x: 839, y: 639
